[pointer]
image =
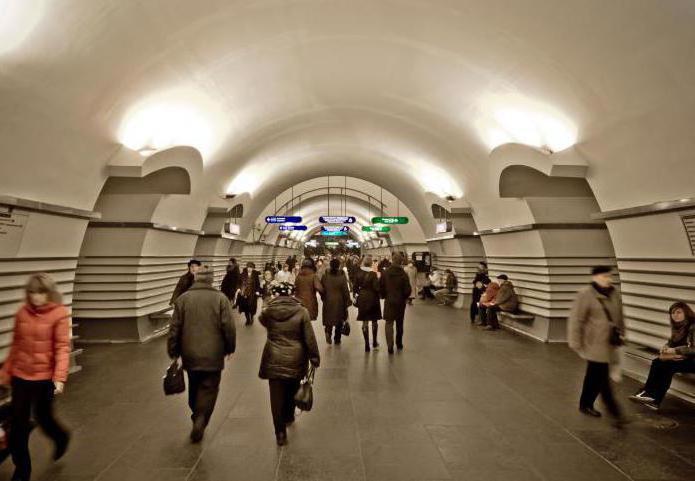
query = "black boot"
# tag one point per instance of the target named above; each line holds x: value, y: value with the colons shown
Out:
x: 328, y: 335
x: 281, y: 438
x: 375, y: 332
x: 365, y: 334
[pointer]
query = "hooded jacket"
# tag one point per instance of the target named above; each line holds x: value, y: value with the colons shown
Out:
x: 306, y: 286
x: 291, y: 343
x: 40, y: 348
x: 395, y: 290
x: 367, y: 292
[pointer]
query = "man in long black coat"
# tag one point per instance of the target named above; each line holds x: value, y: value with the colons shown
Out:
x: 185, y: 281
x: 395, y: 290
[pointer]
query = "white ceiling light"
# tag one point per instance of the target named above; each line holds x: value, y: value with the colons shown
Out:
x: 513, y: 118
x: 18, y: 18
x: 174, y: 118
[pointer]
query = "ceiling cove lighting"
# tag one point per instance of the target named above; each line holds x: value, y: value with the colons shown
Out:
x: 18, y: 18
x: 173, y: 118
x: 513, y: 118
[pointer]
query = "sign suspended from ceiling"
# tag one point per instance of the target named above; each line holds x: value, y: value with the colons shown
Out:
x: 334, y: 233
x: 389, y: 220
x: 376, y: 228
x: 337, y: 219
x: 283, y: 219
x: 334, y: 228
x: 292, y: 227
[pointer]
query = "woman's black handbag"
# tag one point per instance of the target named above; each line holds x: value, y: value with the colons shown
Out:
x: 304, y: 398
x: 346, y: 328
x: 173, y: 380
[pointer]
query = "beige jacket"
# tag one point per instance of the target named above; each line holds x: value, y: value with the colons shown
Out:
x: 589, y: 328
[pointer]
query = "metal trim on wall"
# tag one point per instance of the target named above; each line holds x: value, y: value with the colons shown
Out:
x: 542, y: 226
x: 35, y: 206
x: 649, y: 209
x: 146, y: 225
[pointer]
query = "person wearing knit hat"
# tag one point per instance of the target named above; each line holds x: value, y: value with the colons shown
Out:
x: 202, y: 333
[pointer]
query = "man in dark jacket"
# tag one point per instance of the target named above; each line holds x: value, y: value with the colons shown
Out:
x: 186, y: 280
x: 230, y: 283
x: 202, y: 332
x: 394, y: 287
x: 480, y: 280
x: 505, y: 300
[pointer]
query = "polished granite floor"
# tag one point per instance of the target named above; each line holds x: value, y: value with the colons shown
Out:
x: 457, y: 404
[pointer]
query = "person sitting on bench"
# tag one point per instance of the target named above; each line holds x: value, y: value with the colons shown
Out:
x: 505, y: 300
x: 448, y: 294
x: 677, y: 355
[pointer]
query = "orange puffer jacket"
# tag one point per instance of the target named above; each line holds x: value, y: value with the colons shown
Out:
x: 41, y: 345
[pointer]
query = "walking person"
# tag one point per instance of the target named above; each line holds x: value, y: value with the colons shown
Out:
x: 594, y: 331
x: 306, y: 286
x: 677, y: 355
x: 285, y: 275
x: 202, y: 333
x: 394, y: 288
x: 37, y: 370
x: 185, y: 281
x: 230, y: 282
x: 290, y: 347
x: 411, y: 270
x: 368, y: 302
x: 336, y: 299
x: 249, y: 292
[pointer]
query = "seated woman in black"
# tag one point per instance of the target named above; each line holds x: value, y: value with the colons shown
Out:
x: 678, y: 355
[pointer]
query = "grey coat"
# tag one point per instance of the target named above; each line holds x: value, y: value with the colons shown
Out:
x: 202, y: 330
x: 589, y: 328
x: 336, y: 298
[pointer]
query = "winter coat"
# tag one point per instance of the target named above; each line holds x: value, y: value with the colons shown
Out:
x: 507, y: 299
x: 250, y: 290
x: 291, y: 343
x: 185, y: 282
x: 394, y: 288
x: 202, y: 330
x: 40, y: 349
x: 336, y: 298
x: 490, y: 293
x: 589, y: 327
x: 367, y: 292
x: 306, y: 286
x: 689, y: 349
x: 230, y: 283
x: 411, y: 271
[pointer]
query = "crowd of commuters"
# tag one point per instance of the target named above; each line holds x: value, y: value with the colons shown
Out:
x: 202, y: 334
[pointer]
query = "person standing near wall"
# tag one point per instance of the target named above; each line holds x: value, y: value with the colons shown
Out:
x: 37, y: 369
x: 186, y: 280
x: 478, y: 289
x: 202, y: 333
x: 594, y: 331
x: 394, y: 287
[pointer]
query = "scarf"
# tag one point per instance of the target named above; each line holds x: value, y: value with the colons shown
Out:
x: 606, y: 291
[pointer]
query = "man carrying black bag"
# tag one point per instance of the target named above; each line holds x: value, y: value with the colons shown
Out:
x: 202, y: 332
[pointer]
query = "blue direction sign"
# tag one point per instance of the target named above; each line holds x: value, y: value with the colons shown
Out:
x: 283, y: 219
x: 292, y: 227
x: 334, y: 233
x: 337, y: 219
x: 335, y: 228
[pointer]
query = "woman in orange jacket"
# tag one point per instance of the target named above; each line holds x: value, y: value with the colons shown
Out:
x: 37, y: 368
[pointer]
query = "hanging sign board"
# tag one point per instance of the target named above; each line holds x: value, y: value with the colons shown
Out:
x: 232, y: 228
x: 333, y: 233
x: 442, y: 227
x: 389, y: 220
x: 337, y: 219
x: 291, y: 227
x: 376, y: 228
x: 334, y: 228
x: 280, y: 219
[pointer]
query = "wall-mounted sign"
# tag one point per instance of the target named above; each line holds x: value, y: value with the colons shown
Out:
x: 376, y: 228
x: 337, y: 219
x: 291, y: 227
x: 389, y: 220
x: 232, y: 228
x: 333, y: 233
x: 334, y: 228
x: 281, y: 219
x: 12, y: 225
x: 442, y: 227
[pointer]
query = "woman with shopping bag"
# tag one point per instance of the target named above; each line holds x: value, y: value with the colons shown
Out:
x: 290, y: 348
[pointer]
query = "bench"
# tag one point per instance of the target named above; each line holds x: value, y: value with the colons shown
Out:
x: 636, y: 365
x: 522, y: 317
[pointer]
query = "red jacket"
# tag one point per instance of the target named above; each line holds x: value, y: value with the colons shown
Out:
x: 41, y: 345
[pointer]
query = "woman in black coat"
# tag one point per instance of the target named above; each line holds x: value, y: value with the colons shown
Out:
x: 290, y: 347
x: 366, y: 290
x: 249, y: 291
x: 336, y: 299
x: 230, y: 283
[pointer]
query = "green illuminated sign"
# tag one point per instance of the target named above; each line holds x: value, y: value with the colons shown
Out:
x: 389, y: 220
x: 376, y: 228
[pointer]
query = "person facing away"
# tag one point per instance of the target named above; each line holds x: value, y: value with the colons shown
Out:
x: 230, y: 282
x: 290, y: 347
x: 366, y: 289
x: 37, y: 370
x: 383, y: 264
x: 185, y: 281
x: 336, y: 300
x: 307, y: 285
x: 594, y: 330
x: 411, y: 271
x: 677, y: 355
x: 394, y: 288
x: 249, y: 291
x: 202, y: 333
x: 478, y: 289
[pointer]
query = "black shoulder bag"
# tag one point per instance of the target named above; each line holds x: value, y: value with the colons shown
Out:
x: 615, y: 338
x: 304, y: 398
